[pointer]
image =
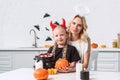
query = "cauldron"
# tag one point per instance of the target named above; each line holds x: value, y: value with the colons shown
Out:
x: 48, y: 62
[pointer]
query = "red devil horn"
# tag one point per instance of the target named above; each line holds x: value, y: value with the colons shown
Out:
x: 52, y: 25
x: 63, y: 24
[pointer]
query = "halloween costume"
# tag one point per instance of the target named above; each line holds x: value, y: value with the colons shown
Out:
x: 71, y: 54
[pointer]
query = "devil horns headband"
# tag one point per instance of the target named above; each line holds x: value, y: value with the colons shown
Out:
x: 63, y: 24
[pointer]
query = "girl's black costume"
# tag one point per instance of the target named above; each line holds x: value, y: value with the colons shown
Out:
x: 71, y: 54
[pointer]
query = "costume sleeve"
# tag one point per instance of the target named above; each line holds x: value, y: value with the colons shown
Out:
x: 50, y: 50
x: 74, y: 55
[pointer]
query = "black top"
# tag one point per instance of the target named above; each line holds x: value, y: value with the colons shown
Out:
x: 71, y: 55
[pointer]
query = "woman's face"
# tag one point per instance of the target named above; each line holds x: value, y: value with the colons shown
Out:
x: 76, y: 26
x: 60, y: 36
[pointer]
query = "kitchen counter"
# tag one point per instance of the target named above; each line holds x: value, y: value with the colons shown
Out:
x: 42, y: 48
x: 23, y: 48
x: 106, y: 49
x: 27, y: 74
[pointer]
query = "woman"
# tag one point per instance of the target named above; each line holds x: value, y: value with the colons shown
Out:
x: 79, y: 38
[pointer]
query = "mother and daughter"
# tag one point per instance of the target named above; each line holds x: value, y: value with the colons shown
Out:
x: 71, y: 43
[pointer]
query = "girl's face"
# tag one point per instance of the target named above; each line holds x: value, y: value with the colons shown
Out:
x: 60, y: 36
x: 76, y: 26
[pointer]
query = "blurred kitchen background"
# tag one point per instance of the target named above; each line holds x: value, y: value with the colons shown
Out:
x: 18, y: 17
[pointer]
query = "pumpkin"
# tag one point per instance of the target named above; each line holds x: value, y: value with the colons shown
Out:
x: 103, y: 46
x: 94, y: 45
x: 41, y: 74
x: 52, y: 71
x: 61, y: 63
x: 47, y: 46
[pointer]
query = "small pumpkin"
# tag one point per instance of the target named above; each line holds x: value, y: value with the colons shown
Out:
x: 41, y: 74
x: 52, y: 71
x: 61, y: 63
x: 94, y: 45
x: 103, y: 46
x: 47, y: 46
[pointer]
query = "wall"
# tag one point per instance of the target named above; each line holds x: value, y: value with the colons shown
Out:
x: 17, y: 17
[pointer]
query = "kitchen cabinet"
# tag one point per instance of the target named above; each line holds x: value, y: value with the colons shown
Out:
x: 24, y: 59
x: 5, y: 61
x: 18, y: 58
x: 105, y: 59
x: 100, y: 59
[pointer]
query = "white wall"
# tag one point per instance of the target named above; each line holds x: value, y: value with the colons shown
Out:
x: 17, y: 17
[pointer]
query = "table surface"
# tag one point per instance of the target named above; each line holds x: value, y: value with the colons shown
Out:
x: 27, y: 74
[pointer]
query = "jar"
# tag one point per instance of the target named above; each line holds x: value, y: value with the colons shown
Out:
x: 38, y: 63
x: 78, y: 70
x: 118, y: 42
x: 114, y: 43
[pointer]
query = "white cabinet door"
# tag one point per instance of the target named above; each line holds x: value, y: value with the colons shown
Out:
x: 14, y: 59
x: 108, y: 56
x: 5, y: 61
x: 107, y: 61
x: 24, y: 59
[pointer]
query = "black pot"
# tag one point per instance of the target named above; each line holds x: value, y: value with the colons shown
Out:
x: 48, y: 62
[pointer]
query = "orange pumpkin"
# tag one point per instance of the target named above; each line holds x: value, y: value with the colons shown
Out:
x: 61, y: 63
x: 52, y: 71
x: 41, y: 74
x: 47, y: 46
x: 103, y: 46
x: 94, y: 45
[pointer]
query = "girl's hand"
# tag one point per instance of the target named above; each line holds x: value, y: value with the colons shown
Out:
x: 67, y: 69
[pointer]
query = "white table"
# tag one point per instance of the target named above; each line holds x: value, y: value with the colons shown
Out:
x: 27, y: 74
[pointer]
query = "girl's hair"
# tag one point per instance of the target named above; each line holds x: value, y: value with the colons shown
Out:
x: 83, y: 36
x: 65, y: 47
x: 63, y: 52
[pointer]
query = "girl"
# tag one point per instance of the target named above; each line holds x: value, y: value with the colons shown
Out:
x: 61, y: 49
